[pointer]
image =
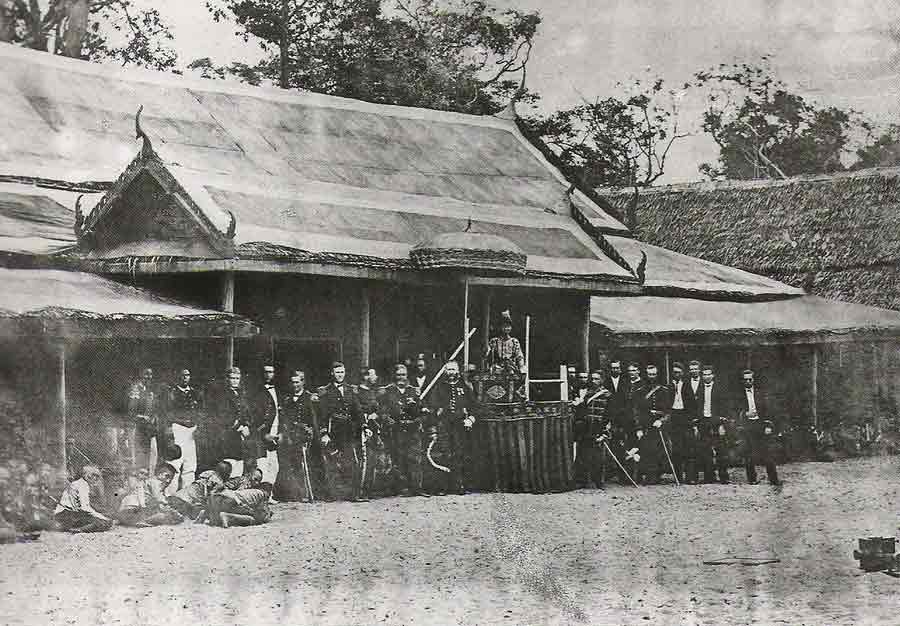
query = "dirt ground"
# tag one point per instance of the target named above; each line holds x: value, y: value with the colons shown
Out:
x: 620, y: 556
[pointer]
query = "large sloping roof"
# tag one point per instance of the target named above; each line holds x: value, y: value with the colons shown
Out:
x: 64, y: 303
x: 838, y: 235
x: 36, y: 221
x: 649, y: 320
x: 302, y: 171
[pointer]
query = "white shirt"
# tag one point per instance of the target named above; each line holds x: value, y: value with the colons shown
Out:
x: 615, y: 383
x: 707, y: 400
x: 421, y: 381
x: 695, y: 385
x: 678, y: 402
x: 751, y: 401
x: 274, y: 429
x: 77, y: 497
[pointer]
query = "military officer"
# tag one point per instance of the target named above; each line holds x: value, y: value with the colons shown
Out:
x: 297, y: 478
x: 400, y: 412
x: 339, y: 428
x: 451, y: 417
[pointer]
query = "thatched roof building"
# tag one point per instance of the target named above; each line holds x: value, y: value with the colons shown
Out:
x: 836, y: 235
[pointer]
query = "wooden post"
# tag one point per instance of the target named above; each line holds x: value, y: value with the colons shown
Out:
x: 228, y: 307
x: 586, y: 336
x: 486, y: 319
x: 365, y: 327
x: 815, y: 386
x: 668, y: 369
x: 63, y: 408
x: 876, y: 384
x: 528, y: 357
x: 465, y: 367
x: 563, y: 383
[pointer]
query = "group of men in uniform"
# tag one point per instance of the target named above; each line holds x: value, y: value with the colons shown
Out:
x: 340, y: 441
x: 630, y: 425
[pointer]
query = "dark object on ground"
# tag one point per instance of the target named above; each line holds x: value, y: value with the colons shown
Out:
x: 876, y: 554
x: 742, y: 560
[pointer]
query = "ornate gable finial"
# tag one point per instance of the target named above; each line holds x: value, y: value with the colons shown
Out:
x: 79, y: 217
x: 147, y: 146
x: 641, y: 271
x: 232, y: 225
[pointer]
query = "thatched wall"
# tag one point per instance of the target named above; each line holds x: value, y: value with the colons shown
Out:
x: 838, y: 235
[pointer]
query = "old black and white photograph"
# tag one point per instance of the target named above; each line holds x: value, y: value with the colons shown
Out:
x: 449, y: 312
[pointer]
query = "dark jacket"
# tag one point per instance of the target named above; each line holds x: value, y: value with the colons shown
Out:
x: 616, y: 407
x: 340, y: 414
x: 400, y: 409
x: 264, y: 410
x: 449, y: 404
x: 227, y: 408
x: 298, y: 422
x: 689, y: 400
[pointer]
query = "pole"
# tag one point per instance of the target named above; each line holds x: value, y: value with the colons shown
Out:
x: 528, y: 357
x: 669, y: 458
x: 441, y: 371
x: 668, y: 369
x: 228, y: 307
x: 621, y: 467
x: 815, y: 386
x: 586, y: 336
x: 63, y: 408
x: 486, y: 320
x: 465, y: 367
x: 365, y: 327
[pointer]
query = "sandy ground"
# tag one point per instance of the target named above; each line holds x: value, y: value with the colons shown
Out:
x: 621, y: 556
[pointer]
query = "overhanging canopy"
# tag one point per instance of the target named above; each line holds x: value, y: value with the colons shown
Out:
x: 58, y: 303
x: 657, y: 321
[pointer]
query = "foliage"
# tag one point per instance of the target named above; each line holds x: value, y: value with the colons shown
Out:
x: 618, y: 141
x: 121, y: 31
x: 763, y: 130
x: 459, y: 55
x: 882, y: 150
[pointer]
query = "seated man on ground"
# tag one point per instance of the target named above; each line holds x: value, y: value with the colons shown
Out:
x: 75, y: 512
x: 192, y: 500
x: 244, y: 501
x: 145, y: 504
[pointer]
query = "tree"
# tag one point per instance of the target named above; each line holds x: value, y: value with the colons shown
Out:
x: 882, y: 149
x: 763, y: 130
x: 98, y: 30
x: 457, y: 55
x: 618, y: 141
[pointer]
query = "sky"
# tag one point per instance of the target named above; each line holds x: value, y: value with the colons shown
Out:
x: 842, y: 52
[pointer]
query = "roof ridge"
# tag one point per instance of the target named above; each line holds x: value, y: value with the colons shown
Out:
x: 309, y: 98
x: 759, y: 183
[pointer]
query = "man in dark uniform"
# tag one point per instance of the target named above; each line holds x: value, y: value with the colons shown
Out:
x: 298, y: 425
x: 229, y: 426
x: 618, y: 392
x: 182, y: 415
x: 681, y: 410
x: 339, y: 428
x: 266, y: 425
x: 650, y: 415
x: 758, y: 431
x: 452, y: 414
x: 402, y: 421
x: 631, y: 438
x: 590, y: 422
x: 712, y: 408
x: 367, y: 449
x: 144, y: 409
x: 422, y: 376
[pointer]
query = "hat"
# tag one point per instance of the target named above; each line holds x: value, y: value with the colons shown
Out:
x: 506, y: 318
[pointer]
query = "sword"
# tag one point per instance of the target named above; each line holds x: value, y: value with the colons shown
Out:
x: 306, y: 479
x: 669, y: 458
x: 441, y: 371
x: 621, y: 467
